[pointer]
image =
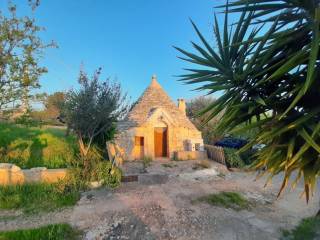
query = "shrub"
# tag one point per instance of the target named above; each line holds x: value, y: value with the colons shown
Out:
x: 95, y: 168
x: 50, y: 232
x: 27, y: 121
x: 146, y: 161
x: 308, y: 229
x: 248, y: 156
x: 233, y: 159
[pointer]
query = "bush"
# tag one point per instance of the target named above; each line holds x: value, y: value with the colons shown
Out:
x: 92, y: 169
x: 248, y: 156
x: 233, y: 159
x: 308, y: 229
x: 50, y: 232
x: 27, y: 121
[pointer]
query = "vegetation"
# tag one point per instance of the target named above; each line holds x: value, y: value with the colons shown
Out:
x: 50, y: 232
x: 308, y: 229
x: 233, y: 159
x: 53, y: 109
x: 33, y: 198
x: 20, y: 52
x: 194, y: 107
x: 146, y: 162
x: 267, y: 65
x: 92, y: 111
x: 169, y: 165
x: 97, y: 169
x: 202, y: 164
x: 226, y: 199
x: 29, y: 147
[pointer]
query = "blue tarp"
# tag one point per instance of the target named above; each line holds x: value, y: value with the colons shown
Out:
x: 231, y: 143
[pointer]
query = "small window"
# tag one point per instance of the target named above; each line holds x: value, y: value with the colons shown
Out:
x: 139, y: 141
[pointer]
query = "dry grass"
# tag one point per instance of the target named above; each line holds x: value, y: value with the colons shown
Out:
x: 202, y: 164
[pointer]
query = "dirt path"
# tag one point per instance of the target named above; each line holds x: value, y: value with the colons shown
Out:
x: 160, y: 207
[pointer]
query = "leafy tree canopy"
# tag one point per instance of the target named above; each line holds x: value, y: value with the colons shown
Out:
x: 20, y: 51
x: 93, y: 110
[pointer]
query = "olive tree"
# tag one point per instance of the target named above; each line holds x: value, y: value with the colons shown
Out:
x: 93, y: 110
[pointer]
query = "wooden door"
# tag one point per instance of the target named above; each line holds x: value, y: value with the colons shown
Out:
x: 139, y: 147
x: 160, y: 142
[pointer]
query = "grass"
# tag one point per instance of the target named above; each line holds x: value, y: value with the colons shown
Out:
x: 168, y: 165
x: 50, y: 232
x: 202, y: 164
x: 34, y: 198
x: 308, y: 229
x: 231, y: 200
x: 29, y: 147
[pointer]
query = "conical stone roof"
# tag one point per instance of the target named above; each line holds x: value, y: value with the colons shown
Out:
x: 152, y: 98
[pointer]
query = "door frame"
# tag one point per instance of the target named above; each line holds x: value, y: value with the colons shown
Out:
x: 166, y: 131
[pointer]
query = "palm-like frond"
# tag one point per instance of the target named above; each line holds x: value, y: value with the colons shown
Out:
x: 268, y: 68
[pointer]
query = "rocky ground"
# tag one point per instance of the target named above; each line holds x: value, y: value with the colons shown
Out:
x: 160, y: 206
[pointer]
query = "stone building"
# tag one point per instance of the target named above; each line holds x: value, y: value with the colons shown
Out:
x: 158, y: 128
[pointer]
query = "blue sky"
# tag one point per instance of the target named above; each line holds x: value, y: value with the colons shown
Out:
x: 129, y: 39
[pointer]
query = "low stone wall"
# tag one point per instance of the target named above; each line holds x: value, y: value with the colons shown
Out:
x: 190, y: 155
x: 11, y: 174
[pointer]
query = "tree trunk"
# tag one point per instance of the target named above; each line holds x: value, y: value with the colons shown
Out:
x: 318, y: 213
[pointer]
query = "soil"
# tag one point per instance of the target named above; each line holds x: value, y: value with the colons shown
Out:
x: 160, y: 206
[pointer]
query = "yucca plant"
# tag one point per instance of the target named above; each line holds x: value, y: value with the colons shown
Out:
x: 267, y: 65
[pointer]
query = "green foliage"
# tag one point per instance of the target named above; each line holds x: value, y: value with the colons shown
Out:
x: 49, y: 232
x: 232, y: 200
x: 94, y: 169
x: 27, y: 121
x: 248, y: 156
x: 308, y: 229
x: 233, y: 159
x: 93, y: 110
x: 34, y: 198
x: 146, y: 161
x: 194, y: 107
x: 20, y: 53
x: 34, y: 147
x: 267, y: 65
x: 53, y: 109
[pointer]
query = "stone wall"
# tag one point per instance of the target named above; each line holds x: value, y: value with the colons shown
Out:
x: 11, y: 174
x: 190, y: 155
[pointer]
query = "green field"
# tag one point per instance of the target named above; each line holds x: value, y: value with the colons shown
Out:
x: 50, y: 232
x: 29, y: 147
